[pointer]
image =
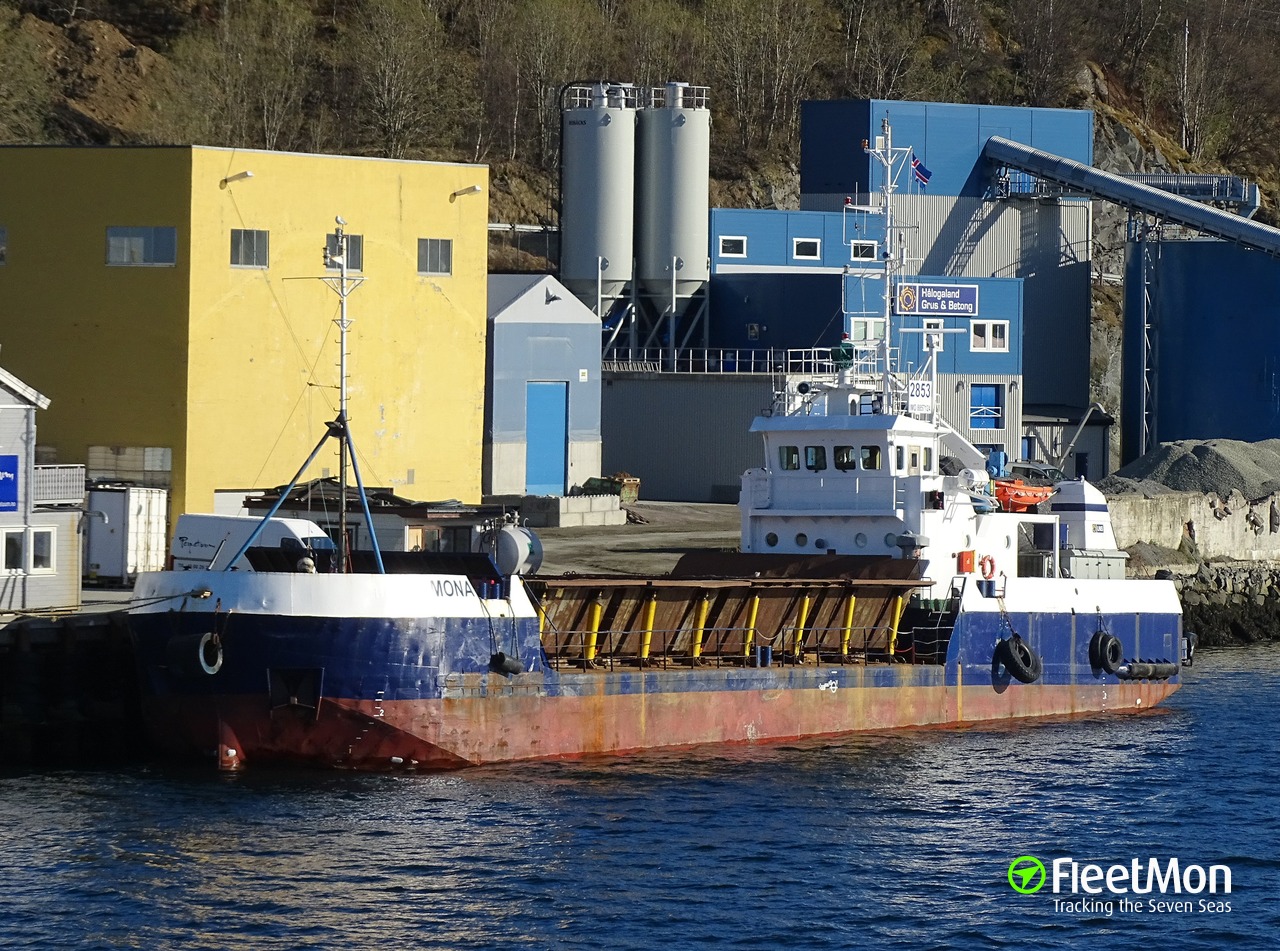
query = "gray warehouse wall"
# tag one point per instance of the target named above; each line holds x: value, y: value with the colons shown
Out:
x: 685, y: 437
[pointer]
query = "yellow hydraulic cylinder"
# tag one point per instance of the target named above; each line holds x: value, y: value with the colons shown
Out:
x: 700, y: 630
x: 849, y: 604
x: 650, y: 609
x: 749, y: 639
x: 593, y: 631
x: 893, y: 627
x: 801, y: 620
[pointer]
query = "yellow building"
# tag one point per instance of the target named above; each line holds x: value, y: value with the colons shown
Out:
x: 170, y: 302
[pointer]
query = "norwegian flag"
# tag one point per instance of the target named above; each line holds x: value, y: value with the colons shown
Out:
x: 921, y: 173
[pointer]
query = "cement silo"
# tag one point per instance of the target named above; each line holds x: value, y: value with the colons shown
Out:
x: 597, y: 190
x: 672, y: 203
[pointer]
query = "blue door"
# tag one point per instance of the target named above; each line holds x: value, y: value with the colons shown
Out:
x: 546, y: 427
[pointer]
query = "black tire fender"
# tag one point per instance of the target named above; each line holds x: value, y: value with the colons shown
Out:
x: 1020, y: 660
x: 1106, y: 652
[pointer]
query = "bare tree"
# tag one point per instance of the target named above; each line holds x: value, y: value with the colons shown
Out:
x: 1046, y: 39
x: 397, y: 44
x: 550, y: 42
x: 659, y: 41
x: 242, y: 82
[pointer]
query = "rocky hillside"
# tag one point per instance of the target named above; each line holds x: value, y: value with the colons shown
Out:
x: 162, y: 70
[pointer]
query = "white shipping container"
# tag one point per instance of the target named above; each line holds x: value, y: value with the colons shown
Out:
x: 133, y: 536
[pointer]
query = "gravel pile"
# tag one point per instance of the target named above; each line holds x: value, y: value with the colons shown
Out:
x: 1212, y: 465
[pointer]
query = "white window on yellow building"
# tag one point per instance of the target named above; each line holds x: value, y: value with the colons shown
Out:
x: 249, y: 248
x: 355, y: 252
x: 141, y: 247
x: 435, y: 255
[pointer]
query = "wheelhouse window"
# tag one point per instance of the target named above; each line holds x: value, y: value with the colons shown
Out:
x: 355, y: 252
x: 806, y: 249
x: 986, y: 406
x: 862, y: 250
x: 865, y: 331
x: 141, y: 247
x: 900, y: 459
x: 845, y: 458
x: 250, y: 248
x: 989, y: 335
x: 435, y: 256
x: 870, y: 457
x: 4, y: 246
x: 733, y: 246
x: 815, y: 458
x: 789, y: 457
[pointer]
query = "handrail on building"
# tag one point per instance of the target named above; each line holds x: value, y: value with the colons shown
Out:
x: 58, y: 485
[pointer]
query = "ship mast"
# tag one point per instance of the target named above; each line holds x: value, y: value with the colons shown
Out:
x: 894, y: 259
x: 344, y: 285
x: 343, y: 289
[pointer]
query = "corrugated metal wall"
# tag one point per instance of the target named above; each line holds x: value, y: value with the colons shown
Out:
x: 953, y: 403
x: 684, y: 436
x: 1048, y: 245
x: 1215, y: 352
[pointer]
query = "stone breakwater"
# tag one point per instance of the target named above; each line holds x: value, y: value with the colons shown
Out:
x: 1230, y: 603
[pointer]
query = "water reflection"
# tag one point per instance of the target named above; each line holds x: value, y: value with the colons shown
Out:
x: 893, y: 840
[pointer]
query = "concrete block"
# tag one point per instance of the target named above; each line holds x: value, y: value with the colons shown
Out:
x: 603, y: 503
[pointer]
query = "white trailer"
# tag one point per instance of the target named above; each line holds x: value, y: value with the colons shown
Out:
x: 125, y: 533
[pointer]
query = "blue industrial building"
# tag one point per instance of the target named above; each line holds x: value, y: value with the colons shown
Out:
x: 947, y: 137
x: 993, y: 198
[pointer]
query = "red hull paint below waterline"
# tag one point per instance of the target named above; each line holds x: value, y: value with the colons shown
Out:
x: 455, y: 733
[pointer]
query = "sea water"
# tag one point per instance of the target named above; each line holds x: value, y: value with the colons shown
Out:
x: 901, y: 840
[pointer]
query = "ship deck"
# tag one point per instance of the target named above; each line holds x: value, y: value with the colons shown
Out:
x: 605, y: 622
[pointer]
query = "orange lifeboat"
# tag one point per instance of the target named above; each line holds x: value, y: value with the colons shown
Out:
x: 1014, y: 495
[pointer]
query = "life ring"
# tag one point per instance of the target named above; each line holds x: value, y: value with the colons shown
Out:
x: 1106, y: 652
x: 1020, y: 660
x: 210, y: 653
x: 988, y: 566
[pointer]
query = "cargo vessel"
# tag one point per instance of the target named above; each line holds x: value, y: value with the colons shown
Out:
x: 880, y: 584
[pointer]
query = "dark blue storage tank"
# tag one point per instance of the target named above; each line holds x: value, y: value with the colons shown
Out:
x: 1214, y: 346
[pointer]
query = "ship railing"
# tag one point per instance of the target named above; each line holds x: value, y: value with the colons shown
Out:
x: 693, y: 360
x: 862, y: 359
x: 739, y: 646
